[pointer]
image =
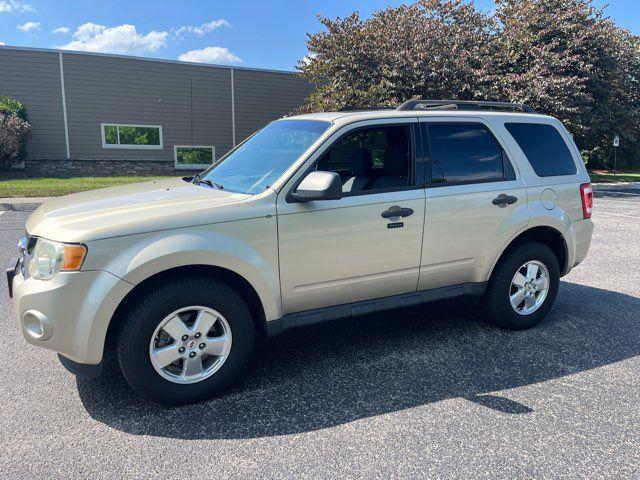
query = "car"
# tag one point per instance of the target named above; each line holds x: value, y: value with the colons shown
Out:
x: 313, y: 218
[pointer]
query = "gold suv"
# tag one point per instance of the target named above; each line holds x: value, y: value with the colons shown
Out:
x: 313, y: 218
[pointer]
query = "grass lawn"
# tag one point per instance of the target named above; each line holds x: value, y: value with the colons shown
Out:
x: 55, y: 186
x: 608, y: 177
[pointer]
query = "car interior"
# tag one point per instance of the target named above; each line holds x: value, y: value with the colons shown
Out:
x: 371, y: 159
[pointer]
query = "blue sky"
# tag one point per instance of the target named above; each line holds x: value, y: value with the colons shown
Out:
x: 263, y: 34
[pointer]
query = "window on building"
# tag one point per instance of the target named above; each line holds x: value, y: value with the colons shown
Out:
x: 545, y: 149
x: 463, y: 153
x: 197, y: 157
x: 131, y: 136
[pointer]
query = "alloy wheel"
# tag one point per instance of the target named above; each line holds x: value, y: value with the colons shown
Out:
x: 529, y: 287
x: 190, y: 344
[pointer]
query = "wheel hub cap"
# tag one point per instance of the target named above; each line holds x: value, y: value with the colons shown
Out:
x: 529, y: 287
x: 190, y: 344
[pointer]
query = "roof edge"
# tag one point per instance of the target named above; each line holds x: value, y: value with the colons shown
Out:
x: 148, y: 59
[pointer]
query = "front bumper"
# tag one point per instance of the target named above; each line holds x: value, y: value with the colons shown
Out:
x: 81, y: 370
x: 68, y: 314
x: 11, y: 272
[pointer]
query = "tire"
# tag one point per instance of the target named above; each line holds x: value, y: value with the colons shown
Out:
x: 163, y: 385
x: 496, y: 302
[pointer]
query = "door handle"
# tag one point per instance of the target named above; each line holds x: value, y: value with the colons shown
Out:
x: 396, y: 211
x: 503, y: 200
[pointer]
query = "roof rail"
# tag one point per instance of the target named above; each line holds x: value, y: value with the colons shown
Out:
x: 350, y: 108
x: 464, y: 105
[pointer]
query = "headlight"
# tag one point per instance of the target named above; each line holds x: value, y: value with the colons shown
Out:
x: 49, y: 258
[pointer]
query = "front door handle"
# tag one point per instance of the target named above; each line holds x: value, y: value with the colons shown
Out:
x: 503, y: 200
x: 397, y: 211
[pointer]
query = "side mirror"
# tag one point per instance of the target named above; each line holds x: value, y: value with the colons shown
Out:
x: 318, y: 186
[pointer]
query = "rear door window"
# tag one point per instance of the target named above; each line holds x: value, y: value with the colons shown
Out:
x: 464, y: 153
x: 544, y: 147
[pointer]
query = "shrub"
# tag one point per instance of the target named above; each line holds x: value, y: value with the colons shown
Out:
x: 9, y: 105
x: 15, y: 130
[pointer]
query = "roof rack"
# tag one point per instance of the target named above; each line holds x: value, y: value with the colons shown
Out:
x: 350, y: 108
x: 464, y: 105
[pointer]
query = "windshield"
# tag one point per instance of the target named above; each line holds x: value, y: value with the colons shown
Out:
x: 264, y: 157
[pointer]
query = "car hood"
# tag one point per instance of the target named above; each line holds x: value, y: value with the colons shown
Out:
x: 129, y: 209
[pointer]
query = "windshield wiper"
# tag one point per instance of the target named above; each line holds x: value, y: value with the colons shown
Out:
x: 198, y: 181
x: 212, y: 184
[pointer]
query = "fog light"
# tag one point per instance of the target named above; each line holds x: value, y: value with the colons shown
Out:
x: 37, y: 325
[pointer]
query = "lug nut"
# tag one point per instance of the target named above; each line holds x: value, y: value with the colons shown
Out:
x: 192, y: 354
x: 185, y: 338
x: 197, y: 335
x: 202, y: 345
x: 181, y: 350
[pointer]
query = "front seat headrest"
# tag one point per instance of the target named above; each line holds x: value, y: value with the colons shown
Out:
x: 396, y: 161
x: 361, y: 162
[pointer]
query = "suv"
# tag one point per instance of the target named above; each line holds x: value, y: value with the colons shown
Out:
x: 313, y: 218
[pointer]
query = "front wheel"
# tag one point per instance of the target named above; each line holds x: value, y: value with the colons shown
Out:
x: 523, y: 287
x: 185, y: 340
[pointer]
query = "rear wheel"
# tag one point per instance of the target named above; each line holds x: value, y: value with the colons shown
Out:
x: 185, y: 341
x: 523, y: 287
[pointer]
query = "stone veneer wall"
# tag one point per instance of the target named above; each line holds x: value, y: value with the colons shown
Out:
x: 93, y: 168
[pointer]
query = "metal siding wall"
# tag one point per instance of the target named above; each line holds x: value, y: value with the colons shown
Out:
x: 34, y: 79
x: 119, y: 90
x: 262, y: 97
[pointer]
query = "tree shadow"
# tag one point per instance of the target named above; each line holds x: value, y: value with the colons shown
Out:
x: 331, y: 374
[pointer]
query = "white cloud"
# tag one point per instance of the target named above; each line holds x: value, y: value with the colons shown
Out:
x: 91, y: 37
x: 62, y: 30
x: 202, y: 29
x: 13, y: 6
x: 29, y: 26
x: 307, y: 59
x: 210, y: 55
x: 2, y: 43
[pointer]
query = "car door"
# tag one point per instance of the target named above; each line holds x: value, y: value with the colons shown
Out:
x: 366, y: 244
x: 475, y: 201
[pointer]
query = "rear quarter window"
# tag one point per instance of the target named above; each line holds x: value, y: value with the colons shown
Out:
x: 544, y: 147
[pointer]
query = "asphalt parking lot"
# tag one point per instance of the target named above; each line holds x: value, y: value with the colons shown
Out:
x: 425, y: 392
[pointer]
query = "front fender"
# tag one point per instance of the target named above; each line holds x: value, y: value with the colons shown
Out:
x: 247, y: 248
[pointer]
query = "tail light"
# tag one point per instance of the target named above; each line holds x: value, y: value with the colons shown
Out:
x: 586, y: 193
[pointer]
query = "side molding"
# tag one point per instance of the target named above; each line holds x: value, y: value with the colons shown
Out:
x: 347, y: 310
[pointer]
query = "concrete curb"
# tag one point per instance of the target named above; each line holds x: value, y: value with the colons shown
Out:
x: 19, y: 207
x: 616, y: 186
x: 21, y: 204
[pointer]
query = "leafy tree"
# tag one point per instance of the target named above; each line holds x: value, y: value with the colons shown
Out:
x: 566, y: 59
x: 429, y: 49
x: 563, y: 57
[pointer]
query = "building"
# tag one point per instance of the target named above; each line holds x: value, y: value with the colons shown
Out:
x: 99, y: 114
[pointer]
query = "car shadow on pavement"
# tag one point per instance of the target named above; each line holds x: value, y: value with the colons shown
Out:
x: 331, y: 374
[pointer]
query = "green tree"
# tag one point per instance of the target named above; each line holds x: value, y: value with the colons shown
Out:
x: 566, y: 59
x: 430, y: 49
x: 563, y: 57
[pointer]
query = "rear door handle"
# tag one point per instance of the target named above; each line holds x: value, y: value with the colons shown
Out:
x: 396, y: 211
x: 503, y: 200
